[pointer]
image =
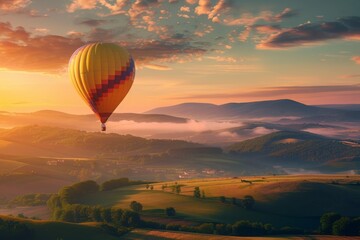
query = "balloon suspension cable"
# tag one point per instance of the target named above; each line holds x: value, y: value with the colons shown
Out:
x: 103, y: 127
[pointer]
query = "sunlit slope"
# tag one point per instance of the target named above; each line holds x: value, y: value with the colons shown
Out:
x: 296, y: 147
x: 51, y: 141
x: 280, y: 200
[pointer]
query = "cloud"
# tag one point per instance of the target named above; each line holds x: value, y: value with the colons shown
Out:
x: 104, y: 34
x: 356, y: 59
x: 116, y: 7
x: 42, y: 30
x: 267, y: 29
x: 220, y: 7
x: 157, y: 67
x: 167, y: 50
x: 244, y: 35
x: 13, y: 5
x: 93, y: 22
x: 224, y: 9
x: 222, y: 59
x: 81, y: 4
x: 286, y: 13
x: 312, y: 33
x: 20, y: 50
x: 191, y: 1
x: 185, y: 9
x: 350, y: 76
x: 204, y: 7
x: 281, y: 91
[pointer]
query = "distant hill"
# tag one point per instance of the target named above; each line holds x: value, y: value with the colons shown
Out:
x: 352, y: 107
x: 296, y: 147
x: 262, y: 109
x: 83, y: 122
x: 51, y: 141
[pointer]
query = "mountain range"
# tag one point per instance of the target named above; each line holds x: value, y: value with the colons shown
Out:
x: 283, y: 108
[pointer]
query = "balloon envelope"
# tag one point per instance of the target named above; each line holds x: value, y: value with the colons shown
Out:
x: 103, y: 74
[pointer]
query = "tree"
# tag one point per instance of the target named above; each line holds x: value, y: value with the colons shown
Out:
x: 197, y: 192
x: 222, y: 199
x: 96, y: 214
x: 170, y: 211
x: 326, y: 222
x: 242, y: 228
x: 221, y: 229
x: 114, y: 183
x: 136, y: 206
x: 342, y: 227
x: 116, y: 214
x: 206, y: 228
x: 14, y: 230
x: 106, y: 214
x: 248, y: 202
x: 178, y: 189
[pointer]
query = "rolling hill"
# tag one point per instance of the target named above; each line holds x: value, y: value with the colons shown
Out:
x: 52, y: 141
x: 82, y: 122
x: 262, y: 109
x: 296, y: 148
x: 296, y: 201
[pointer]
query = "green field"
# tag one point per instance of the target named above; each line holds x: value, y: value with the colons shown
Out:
x: 296, y: 201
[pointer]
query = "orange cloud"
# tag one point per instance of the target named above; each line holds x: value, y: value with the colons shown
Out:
x: 81, y: 4
x: 14, y: 5
x: 19, y: 50
x: 157, y: 67
x: 356, y: 59
x: 204, y: 7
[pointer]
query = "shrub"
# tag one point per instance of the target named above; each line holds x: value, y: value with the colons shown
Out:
x: 114, y: 183
x: 170, y: 211
x: 136, y: 206
x: 173, y: 227
x: 342, y: 227
x: 206, y: 228
x: 326, y: 222
x: 222, y: 229
x: 197, y: 193
x: 248, y: 202
x: 14, y: 230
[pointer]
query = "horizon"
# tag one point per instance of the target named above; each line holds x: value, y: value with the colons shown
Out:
x: 89, y: 112
x: 209, y: 51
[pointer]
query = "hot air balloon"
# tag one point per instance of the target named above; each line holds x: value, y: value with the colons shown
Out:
x: 103, y: 74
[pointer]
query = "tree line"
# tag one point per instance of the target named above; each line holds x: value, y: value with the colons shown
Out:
x: 65, y: 206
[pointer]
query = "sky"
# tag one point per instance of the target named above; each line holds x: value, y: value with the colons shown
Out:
x: 214, y: 51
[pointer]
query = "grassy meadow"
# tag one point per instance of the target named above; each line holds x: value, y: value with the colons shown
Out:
x: 296, y: 201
